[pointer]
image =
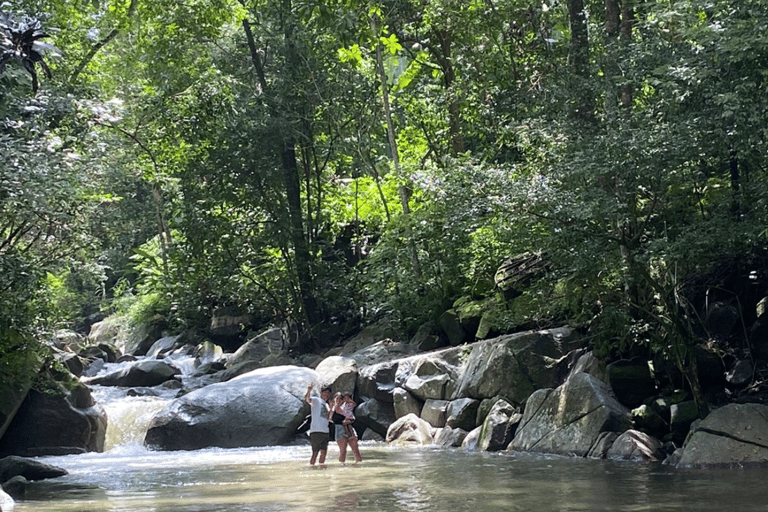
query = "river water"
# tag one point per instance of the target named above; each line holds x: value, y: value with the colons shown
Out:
x: 128, y: 477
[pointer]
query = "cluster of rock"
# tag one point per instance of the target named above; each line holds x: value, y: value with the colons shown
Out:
x: 16, y: 473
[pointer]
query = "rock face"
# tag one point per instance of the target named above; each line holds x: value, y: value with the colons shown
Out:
x: 28, y: 468
x: 516, y: 365
x: 410, y: 429
x: 260, y: 408
x: 570, y: 419
x: 52, y: 425
x: 148, y: 373
x: 733, y: 436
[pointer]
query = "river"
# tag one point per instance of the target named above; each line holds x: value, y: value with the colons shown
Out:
x: 128, y: 477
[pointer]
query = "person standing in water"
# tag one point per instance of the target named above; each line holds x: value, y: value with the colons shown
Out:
x: 342, y: 415
x: 318, y: 427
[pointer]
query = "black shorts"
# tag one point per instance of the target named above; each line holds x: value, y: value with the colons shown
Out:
x: 319, y: 441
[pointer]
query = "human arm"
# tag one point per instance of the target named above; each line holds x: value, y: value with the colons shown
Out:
x: 307, y: 397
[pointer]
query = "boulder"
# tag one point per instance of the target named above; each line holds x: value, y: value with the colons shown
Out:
x: 71, y: 362
x: 147, y: 373
x: 28, y: 468
x: 681, y: 417
x: 382, y: 333
x: 588, y: 363
x: 426, y: 388
x: 271, y: 341
x: 139, y: 340
x: 107, y: 330
x: 647, y: 418
x: 499, y: 426
x: 637, y: 446
x: 449, y: 437
x: 604, y: 443
x: 410, y: 429
x: 163, y: 346
x: 208, y: 352
x: 570, y: 419
x: 434, y: 412
x: 229, y: 321
x: 740, y: 374
x: 515, y: 365
x: 462, y: 413
x: 470, y: 441
x: 735, y: 435
x: 340, y: 373
x: 49, y: 424
x: 16, y: 487
x: 260, y: 408
x: 427, y: 337
x: 377, y: 381
x: 375, y: 415
x: 405, y: 403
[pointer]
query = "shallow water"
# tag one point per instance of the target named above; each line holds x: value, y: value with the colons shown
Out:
x: 130, y: 478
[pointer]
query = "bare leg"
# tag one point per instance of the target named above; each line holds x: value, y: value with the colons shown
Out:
x: 313, y: 458
x: 342, y: 449
x: 355, y: 450
x: 321, y: 460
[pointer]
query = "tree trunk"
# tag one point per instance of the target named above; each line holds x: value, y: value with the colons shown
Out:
x: 584, y: 107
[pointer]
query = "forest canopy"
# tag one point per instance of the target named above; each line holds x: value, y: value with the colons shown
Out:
x: 326, y: 163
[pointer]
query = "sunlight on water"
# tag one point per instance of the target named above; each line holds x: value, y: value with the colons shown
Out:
x: 131, y: 478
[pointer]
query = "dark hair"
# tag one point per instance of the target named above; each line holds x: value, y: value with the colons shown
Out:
x: 325, y: 388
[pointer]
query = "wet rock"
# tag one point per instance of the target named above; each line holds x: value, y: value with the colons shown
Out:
x: 48, y: 424
x: 6, y: 502
x: 144, y: 373
x: 570, y: 419
x: 470, y: 441
x: 637, y: 446
x: 449, y: 437
x: 260, y: 408
x: 28, y: 468
x: 16, y: 487
x: 410, y: 429
x: 163, y: 346
x: 735, y: 435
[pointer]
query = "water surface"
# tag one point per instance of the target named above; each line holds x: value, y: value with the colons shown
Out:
x: 130, y: 478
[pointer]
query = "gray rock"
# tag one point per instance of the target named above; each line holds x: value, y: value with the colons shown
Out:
x: 405, y: 403
x: 735, y: 435
x: 462, y: 413
x: 434, y: 412
x: 514, y: 366
x: 604, y: 442
x: 499, y: 426
x: 470, y: 441
x: 645, y: 417
x: 163, y: 346
x: 28, y: 468
x: 338, y: 372
x: 147, y: 373
x: 259, y: 347
x: 6, y: 502
x: 570, y: 419
x: 410, y: 429
x: 375, y: 415
x: 637, y: 446
x: 260, y: 408
x: 16, y: 487
x: 450, y: 437
x: 681, y: 417
x: 740, y: 374
x: 432, y: 387
x: 48, y: 424
x: 378, y: 381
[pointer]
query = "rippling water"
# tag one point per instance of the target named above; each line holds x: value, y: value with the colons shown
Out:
x: 130, y: 478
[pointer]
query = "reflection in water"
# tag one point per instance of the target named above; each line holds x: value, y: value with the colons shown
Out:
x: 130, y: 478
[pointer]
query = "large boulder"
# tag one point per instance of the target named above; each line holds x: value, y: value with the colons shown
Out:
x: 735, y: 435
x: 340, y: 373
x: 375, y: 415
x: 570, y: 419
x: 144, y: 373
x: 514, y: 366
x: 55, y: 424
x: 462, y: 413
x: 405, y: 403
x: 631, y: 381
x: 260, y: 408
x: 163, y: 346
x: 6, y: 502
x: 637, y: 446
